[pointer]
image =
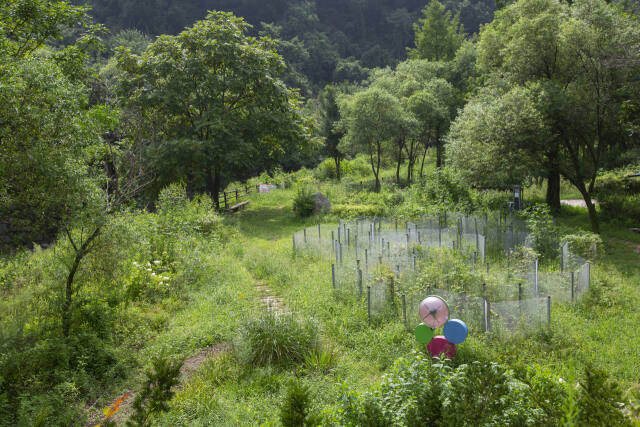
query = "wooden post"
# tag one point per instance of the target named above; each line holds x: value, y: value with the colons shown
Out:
x: 237, y: 199
x: 293, y: 237
x: 360, y: 282
x: 304, y: 233
x: 549, y: 310
x: 225, y: 199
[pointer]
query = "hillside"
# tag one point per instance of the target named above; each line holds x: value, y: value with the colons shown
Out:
x: 324, y: 41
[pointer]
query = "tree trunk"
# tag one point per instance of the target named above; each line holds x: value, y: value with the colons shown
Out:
x: 439, y: 162
x: 591, y: 208
x: 593, y: 215
x: 553, y: 187
x: 209, y: 185
x: 212, y: 182
x: 80, y: 253
x: 398, y: 166
x: 424, y: 156
x: 216, y: 184
x: 68, y: 295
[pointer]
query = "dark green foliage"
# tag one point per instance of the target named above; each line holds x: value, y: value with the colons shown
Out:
x: 295, y: 410
x: 619, y: 196
x: 239, y: 112
x: 420, y: 392
x: 304, y: 203
x: 600, y: 400
x: 276, y: 339
x: 442, y: 191
x: 156, y: 391
x: 545, y: 237
x: 322, y: 41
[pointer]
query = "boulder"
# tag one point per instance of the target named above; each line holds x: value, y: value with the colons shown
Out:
x: 322, y: 203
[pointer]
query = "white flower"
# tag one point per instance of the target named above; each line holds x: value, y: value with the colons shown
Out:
x: 157, y: 262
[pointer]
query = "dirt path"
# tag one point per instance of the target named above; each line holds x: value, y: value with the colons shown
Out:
x: 124, y: 403
x: 577, y: 203
x: 269, y: 300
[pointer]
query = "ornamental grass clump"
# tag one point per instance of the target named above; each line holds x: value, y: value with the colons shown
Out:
x: 276, y: 339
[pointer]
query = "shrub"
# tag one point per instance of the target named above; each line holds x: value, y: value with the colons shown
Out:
x: 625, y: 208
x: 587, y: 245
x: 304, y: 202
x: 600, y: 400
x: 419, y: 391
x: 156, y: 391
x: 542, y: 232
x: 276, y: 339
x: 356, y: 210
x: 326, y: 169
x: 295, y: 411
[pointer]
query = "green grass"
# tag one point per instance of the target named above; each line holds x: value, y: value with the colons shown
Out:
x: 602, y: 329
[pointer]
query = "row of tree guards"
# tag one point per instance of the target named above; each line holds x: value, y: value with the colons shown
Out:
x: 382, y: 259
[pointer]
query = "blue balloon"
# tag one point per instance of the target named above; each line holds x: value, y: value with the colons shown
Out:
x: 455, y: 331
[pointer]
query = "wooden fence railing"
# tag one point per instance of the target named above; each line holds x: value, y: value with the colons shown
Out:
x: 230, y: 198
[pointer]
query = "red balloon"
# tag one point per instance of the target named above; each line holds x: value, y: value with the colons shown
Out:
x: 439, y: 345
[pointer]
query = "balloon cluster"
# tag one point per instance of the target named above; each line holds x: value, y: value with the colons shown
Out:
x: 434, y: 312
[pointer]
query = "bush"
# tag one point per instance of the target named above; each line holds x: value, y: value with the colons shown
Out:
x: 587, y: 245
x: 356, y: 211
x: 544, y: 236
x: 276, y: 339
x: 619, y: 196
x: 156, y: 391
x: 295, y: 411
x: 625, y: 208
x: 600, y: 400
x: 419, y: 391
x: 304, y: 203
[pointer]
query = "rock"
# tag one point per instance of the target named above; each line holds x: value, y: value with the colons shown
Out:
x: 636, y: 230
x: 322, y: 203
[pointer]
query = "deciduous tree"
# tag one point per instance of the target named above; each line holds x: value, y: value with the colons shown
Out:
x: 216, y: 87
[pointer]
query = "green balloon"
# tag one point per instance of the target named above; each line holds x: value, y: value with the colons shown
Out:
x: 423, y: 333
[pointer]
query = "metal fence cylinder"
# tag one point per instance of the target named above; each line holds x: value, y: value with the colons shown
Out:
x: 404, y: 309
x: 333, y: 275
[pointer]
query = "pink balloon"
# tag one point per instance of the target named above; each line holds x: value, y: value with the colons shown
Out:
x: 434, y: 312
x: 439, y: 345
